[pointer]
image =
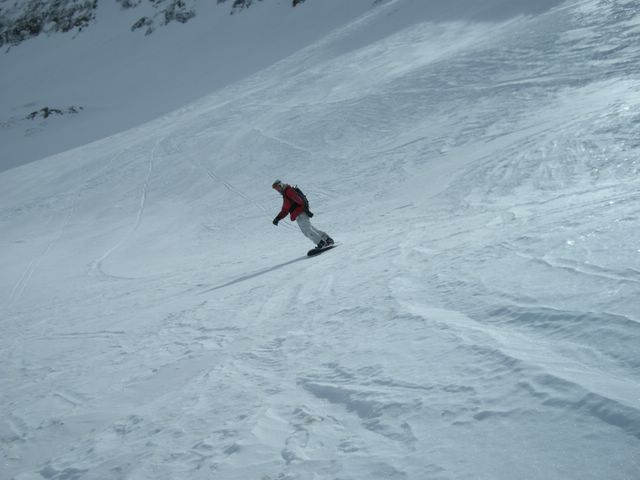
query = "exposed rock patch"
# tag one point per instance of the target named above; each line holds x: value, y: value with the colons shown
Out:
x: 46, y: 112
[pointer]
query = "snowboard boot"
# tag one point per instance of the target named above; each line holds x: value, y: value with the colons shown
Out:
x: 321, y: 244
x: 329, y: 241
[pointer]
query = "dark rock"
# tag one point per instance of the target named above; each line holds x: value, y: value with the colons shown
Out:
x: 46, y: 112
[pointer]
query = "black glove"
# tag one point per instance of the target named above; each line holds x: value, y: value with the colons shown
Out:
x: 275, y: 221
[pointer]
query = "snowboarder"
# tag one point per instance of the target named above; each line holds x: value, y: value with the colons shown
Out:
x: 294, y: 203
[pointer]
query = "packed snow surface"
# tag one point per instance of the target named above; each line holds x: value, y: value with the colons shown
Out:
x: 478, y: 163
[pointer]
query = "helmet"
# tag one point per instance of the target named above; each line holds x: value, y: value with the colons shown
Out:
x: 278, y: 185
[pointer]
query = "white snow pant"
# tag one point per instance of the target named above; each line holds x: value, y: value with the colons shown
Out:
x: 309, y: 231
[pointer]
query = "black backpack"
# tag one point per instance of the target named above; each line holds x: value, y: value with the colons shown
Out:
x: 304, y: 199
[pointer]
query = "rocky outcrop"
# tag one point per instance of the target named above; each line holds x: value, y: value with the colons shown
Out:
x: 46, y: 112
x: 242, y: 4
x: 167, y: 11
x: 20, y: 21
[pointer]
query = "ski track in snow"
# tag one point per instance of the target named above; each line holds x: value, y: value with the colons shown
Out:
x: 23, y: 282
x: 216, y: 178
x: 97, y: 267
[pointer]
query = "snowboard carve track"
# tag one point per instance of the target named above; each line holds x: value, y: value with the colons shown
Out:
x: 97, y: 267
x: 23, y: 282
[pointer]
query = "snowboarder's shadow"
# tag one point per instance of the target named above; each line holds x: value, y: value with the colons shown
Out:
x: 244, y: 278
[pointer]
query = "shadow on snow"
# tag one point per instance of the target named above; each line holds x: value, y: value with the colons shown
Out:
x: 244, y: 278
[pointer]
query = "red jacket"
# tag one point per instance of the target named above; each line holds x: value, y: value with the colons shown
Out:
x: 291, y: 203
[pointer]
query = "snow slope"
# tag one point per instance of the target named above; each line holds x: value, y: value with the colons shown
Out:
x: 122, y: 79
x: 479, y: 321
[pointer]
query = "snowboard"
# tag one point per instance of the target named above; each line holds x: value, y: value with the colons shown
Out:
x: 317, y: 251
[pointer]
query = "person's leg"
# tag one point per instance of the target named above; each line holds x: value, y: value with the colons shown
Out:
x: 309, y: 230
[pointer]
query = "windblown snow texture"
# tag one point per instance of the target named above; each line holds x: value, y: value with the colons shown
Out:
x: 479, y: 163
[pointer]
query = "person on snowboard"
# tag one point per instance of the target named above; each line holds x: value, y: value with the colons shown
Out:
x: 294, y: 205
